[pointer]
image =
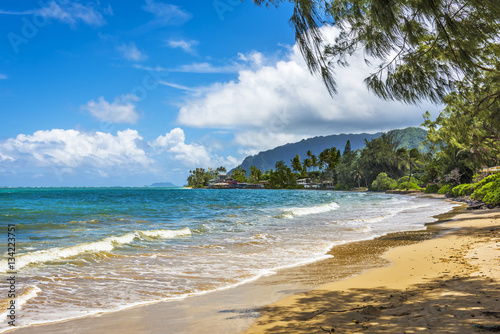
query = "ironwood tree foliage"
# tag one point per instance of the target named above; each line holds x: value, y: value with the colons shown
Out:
x: 470, y: 123
x: 421, y: 48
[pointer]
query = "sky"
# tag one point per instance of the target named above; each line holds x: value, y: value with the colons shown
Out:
x: 128, y: 93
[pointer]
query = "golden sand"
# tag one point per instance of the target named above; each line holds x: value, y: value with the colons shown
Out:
x: 449, y: 284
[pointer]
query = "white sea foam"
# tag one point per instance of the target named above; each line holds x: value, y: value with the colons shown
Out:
x: 104, y: 245
x: 31, y: 292
x: 166, y: 234
x: 293, y: 212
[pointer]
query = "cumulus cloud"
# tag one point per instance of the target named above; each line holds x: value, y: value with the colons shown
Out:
x: 272, y: 104
x: 186, y: 46
x: 122, y: 110
x: 73, y: 149
x: 190, y: 155
x: 131, y: 52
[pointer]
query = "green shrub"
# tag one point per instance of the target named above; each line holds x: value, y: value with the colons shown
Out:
x: 341, y: 186
x: 488, y: 190
x: 431, y: 189
x: 403, y: 183
x: 462, y: 190
x: 412, y: 186
x: 383, y: 182
x: 487, y: 179
x: 446, y: 189
x: 404, y: 179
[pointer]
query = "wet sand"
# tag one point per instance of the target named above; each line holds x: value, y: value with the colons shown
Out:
x: 288, y: 294
x: 449, y: 284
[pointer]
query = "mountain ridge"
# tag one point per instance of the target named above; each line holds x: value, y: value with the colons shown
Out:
x: 265, y: 160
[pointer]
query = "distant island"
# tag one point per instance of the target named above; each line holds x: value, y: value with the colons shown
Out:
x: 163, y: 185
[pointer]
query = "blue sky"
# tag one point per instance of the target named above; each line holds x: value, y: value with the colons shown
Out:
x: 102, y: 93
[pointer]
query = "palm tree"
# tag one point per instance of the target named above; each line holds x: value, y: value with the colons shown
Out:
x: 307, y: 163
x: 314, y: 161
x: 296, y: 165
x: 401, y: 160
x: 358, y: 176
x: 408, y: 159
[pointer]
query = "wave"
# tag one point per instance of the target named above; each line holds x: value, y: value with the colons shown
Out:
x: 293, y: 212
x: 31, y: 292
x: 104, y: 245
x: 166, y: 234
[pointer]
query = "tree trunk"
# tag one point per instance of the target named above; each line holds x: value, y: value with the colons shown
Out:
x: 409, y: 178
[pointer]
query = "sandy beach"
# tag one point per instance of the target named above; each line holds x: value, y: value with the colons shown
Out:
x: 444, y: 279
x: 449, y: 284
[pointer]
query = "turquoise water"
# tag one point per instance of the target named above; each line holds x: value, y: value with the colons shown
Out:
x: 82, y: 251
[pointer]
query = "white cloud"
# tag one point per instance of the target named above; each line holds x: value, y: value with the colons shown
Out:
x: 164, y: 14
x: 122, y: 110
x: 189, y: 155
x: 73, y: 12
x: 271, y: 104
x: 251, y: 61
x: 9, y: 12
x: 186, y: 46
x: 174, y: 85
x: 73, y: 149
x: 208, y: 68
x: 3, y: 76
x: 131, y: 52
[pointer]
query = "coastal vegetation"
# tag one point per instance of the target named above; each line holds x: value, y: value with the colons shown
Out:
x: 445, y: 164
x: 411, y: 137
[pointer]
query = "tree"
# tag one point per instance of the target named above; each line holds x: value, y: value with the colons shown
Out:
x: 255, y: 174
x: 314, y: 161
x: 465, y: 135
x: 330, y: 157
x: 473, y: 128
x: 345, y: 167
x: 296, y: 165
x: 421, y: 49
x: 307, y: 164
x: 198, y: 178
x: 239, y: 174
x: 282, y: 176
x: 409, y: 159
x: 357, y: 176
x: 322, y: 157
x: 221, y: 170
x: 379, y: 156
x: 347, y: 148
x: 383, y: 182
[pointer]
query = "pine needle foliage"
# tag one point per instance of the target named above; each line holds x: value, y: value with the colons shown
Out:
x: 421, y: 48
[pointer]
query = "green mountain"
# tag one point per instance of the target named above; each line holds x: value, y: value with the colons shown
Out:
x: 409, y: 138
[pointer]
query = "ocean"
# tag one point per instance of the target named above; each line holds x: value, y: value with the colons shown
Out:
x: 83, y: 251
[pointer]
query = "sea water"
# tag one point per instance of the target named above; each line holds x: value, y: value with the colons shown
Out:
x: 82, y: 251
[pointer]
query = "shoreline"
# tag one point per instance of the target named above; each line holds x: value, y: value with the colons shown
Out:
x: 238, y: 305
x: 448, y: 284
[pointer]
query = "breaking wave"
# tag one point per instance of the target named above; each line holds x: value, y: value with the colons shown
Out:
x: 104, y: 245
x: 293, y: 212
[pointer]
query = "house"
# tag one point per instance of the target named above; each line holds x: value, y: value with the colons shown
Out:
x: 301, y: 182
x: 327, y: 184
x: 491, y: 170
x: 225, y: 182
